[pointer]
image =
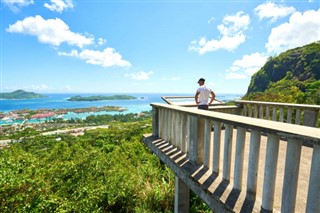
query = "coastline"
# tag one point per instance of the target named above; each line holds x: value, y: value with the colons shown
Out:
x: 59, y: 102
x: 42, y: 115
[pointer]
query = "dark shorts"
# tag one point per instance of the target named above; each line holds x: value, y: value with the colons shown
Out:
x: 205, y: 107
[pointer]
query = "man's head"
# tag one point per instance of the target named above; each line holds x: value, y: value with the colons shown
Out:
x: 201, y: 81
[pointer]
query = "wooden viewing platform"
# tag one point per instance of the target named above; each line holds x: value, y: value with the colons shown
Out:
x: 253, y: 163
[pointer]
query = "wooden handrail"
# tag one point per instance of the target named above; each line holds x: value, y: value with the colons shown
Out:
x: 300, y: 114
x: 189, y: 104
x: 304, y: 106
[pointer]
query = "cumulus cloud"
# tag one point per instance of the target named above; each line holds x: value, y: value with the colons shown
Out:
x: 301, y: 29
x: 59, y: 5
x: 50, y: 31
x: 106, y: 58
x: 139, y: 75
x: 246, y: 66
x: 231, y: 31
x: 273, y: 11
x: 55, y: 32
x: 16, y: 5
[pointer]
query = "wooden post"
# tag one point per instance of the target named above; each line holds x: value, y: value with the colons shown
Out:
x: 313, y: 204
x: 274, y: 113
x: 184, y: 136
x: 239, y: 156
x: 178, y: 129
x: 290, y: 182
x: 207, y: 140
x: 216, y: 147
x: 261, y: 111
x: 289, y: 115
x: 181, y: 196
x: 255, y: 111
x: 227, y: 152
x: 200, y: 143
x: 281, y: 114
x: 193, y: 137
x: 244, y: 111
x: 253, y: 164
x: 298, y: 115
x: 267, y: 112
x: 155, y: 121
x: 270, y: 172
x: 310, y: 118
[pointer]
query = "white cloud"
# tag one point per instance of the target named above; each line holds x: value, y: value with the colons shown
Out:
x: 175, y: 78
x: 212, y: 19
x: 246, y: 66
x: 59, y: 5
x: 301, y: 29
x: 232, y: 35
x: 273, y: 11
x: 16, y: 5
x: 232, y: 75
x: 50, y: 31
x: 106, y: 58
x: 102, y: 41
x: 139, y: 75
x: 56, y: 32
x: 73, y: 53
x: 41, y: 87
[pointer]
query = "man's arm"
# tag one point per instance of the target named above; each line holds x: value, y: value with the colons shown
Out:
x: 196, y: 97
x: 213, y: 96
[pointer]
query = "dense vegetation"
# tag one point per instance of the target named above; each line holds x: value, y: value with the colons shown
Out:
x: 101, y: 97
x: 20, y: 94
x: 14, y: 133
x: 292, y: 77
x: 105, y: 170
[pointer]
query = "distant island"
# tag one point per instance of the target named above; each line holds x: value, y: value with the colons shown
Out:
x: 20, y: 94
x: 101, y: 98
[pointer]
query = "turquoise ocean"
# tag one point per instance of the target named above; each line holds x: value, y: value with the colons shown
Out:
x: 59, y: 101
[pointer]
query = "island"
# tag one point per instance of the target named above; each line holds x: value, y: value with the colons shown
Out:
x: 20, y: 94
x: 101, y: 98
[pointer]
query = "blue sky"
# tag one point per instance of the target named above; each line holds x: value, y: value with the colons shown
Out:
x: 146, y: 46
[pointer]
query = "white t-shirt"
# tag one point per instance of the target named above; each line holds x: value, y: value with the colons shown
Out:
x: 204, y: 93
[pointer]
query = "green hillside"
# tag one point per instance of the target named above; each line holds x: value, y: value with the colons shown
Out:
x: 293, y: 77
x: 20, y: 94
x: 104, y: 170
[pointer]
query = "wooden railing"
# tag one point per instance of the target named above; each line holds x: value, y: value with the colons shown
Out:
x: 300, y: 114
x: 190, y: 130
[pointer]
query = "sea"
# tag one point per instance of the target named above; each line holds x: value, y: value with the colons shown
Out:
x: 60, y: 101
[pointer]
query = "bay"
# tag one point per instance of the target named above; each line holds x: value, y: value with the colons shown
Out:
x: 60, y: 101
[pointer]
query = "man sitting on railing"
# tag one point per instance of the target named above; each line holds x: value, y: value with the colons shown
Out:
x: 202, y: 95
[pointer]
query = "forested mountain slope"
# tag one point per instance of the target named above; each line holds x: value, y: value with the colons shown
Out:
x: 293, y: 76
x: 20, y: 94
